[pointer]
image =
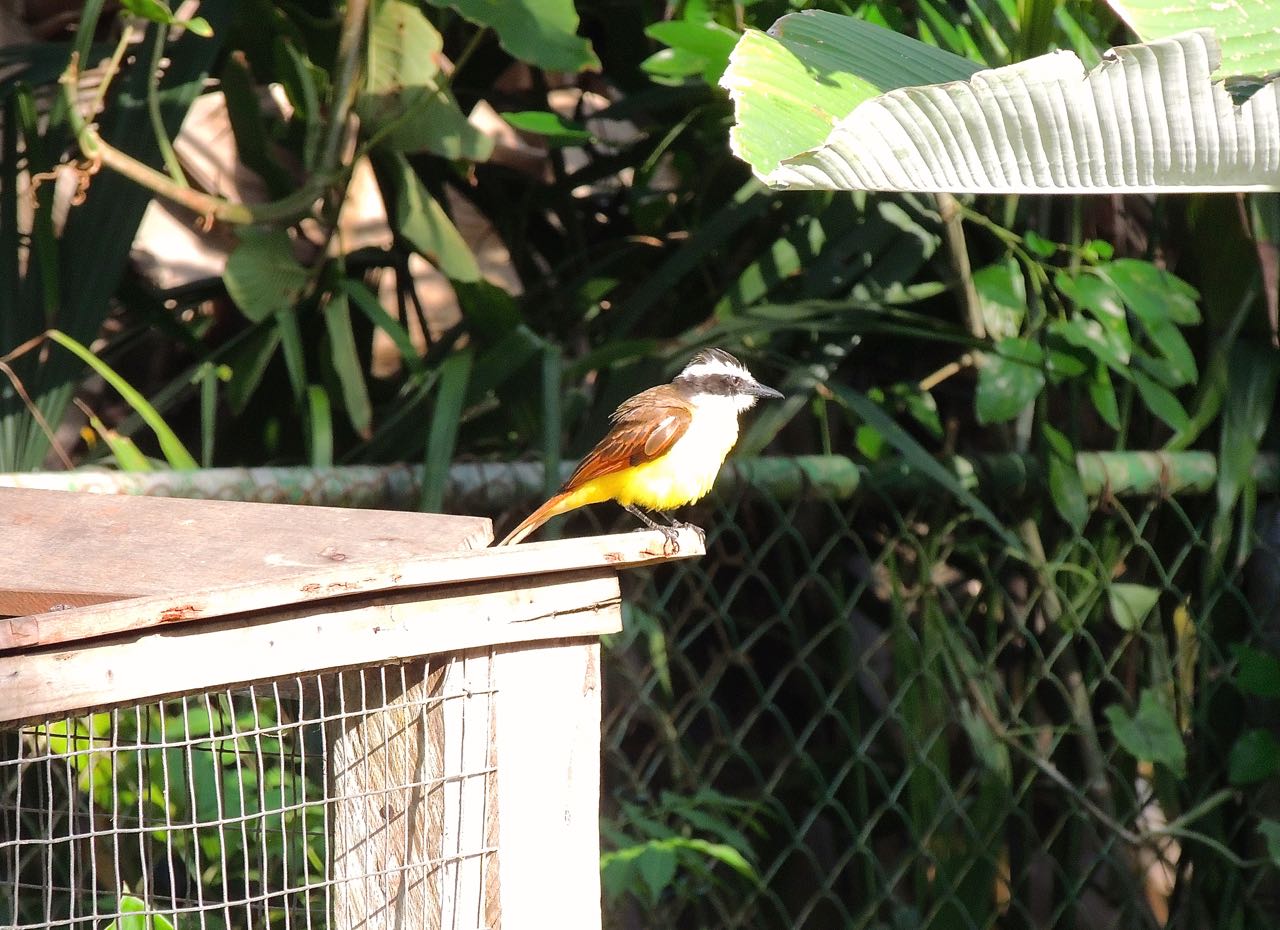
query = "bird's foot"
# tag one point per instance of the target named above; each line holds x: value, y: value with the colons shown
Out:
x: 681, y: 525
x: 671, y: 540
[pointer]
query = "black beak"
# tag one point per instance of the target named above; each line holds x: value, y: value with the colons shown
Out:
x: 759, y: 390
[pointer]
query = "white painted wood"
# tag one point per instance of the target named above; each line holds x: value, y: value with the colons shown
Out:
x: 468, y: 768
x: 303, y: 639
x: 548, y: 739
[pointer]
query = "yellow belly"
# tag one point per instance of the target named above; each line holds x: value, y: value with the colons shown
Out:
x: 683, y: 475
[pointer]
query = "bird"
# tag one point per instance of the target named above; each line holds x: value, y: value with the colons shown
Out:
x: 665, y: 447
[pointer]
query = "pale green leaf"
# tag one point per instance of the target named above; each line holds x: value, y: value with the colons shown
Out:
x: 403, y: 48
x: 791, y: 85
x: 1147, y: 118
x: 175, y: 452
x: 1131, y: 604
x: 1249, y: 30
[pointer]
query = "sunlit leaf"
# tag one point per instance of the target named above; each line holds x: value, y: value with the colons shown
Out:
x: 1040, y: 125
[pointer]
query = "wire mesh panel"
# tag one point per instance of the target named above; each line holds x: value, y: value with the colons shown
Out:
x: 337, y: 800
x: 897, y: 723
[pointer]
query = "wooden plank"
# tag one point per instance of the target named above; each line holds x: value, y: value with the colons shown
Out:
x: 301, y: 639
x: 172, y: 609
x: 63, y: 547
x: 548, y: 736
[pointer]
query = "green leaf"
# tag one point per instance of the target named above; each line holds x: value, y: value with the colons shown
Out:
x: 262, y: 276
x: 918, y: 458
x: 541, y: 32
x: 1065, y: 486
x: 421, y: 220
x: 657, y: 867
x: 1103, y: 396
x: 1009, y: 380
x: 1002, y: 297
x: 134, y: 916
x: 1038, y: 244
x: 1247, y: 29
x: 1252, y: 377
x: 446, y: 418
x: 175, y: 452
x: 404, y: 48
x: 346, y: 364
x: 127, y: 455
x: 1093, y: 338
x: 248, y: 363
x: 368, y: 304
x: 1101, y: 300
x: 1254, y: 757
x: 152, y: 10
x: 1152, y: 293
x: 1131, y: 604
x: 707, y: 42
x: 720, y: 852
x: 1257, y: 672
x: 320, y: 426
x: 1160, y: 401
x: 1270, y: 832
x: 782, y: 107
x: 1151, y: 734
x: 553, y: 126
x: 1040, y: 125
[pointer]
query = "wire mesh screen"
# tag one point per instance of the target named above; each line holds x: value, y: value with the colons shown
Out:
x: 896, y: 723
x: 329, y: 800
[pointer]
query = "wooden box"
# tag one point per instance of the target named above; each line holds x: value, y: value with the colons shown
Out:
x: 247, y: 715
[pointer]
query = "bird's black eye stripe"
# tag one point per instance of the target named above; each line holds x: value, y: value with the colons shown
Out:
x: 711, y: 384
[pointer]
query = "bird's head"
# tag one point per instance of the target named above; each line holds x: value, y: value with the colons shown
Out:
x: 716, y: 377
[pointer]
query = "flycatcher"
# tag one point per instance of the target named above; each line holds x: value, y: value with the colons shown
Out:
x: 666, y: 445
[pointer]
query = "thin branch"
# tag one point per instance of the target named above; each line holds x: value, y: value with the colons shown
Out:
x: 99, y: 152
x: 957, y: 249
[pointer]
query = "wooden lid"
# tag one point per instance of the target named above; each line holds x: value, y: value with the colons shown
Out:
x: 65, y: 549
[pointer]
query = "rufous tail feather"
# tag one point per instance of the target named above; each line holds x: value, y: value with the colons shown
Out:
x: 557, y: 505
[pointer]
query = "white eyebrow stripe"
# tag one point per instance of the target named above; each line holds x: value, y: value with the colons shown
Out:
x: 713, y: 366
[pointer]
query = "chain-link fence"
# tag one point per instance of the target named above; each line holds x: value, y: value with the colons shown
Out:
x: 901, y: 723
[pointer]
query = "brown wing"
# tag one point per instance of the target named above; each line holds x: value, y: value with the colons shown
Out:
x: 644, y: 427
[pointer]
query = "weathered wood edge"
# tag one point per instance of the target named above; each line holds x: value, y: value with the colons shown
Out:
x: 300, y: 640
x: 624, y: 550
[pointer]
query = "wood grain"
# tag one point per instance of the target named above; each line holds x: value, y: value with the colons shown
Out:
x: 64, y: 547
x: 183, y: 605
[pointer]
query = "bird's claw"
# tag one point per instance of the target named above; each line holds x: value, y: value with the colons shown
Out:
x: 671, y: 540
